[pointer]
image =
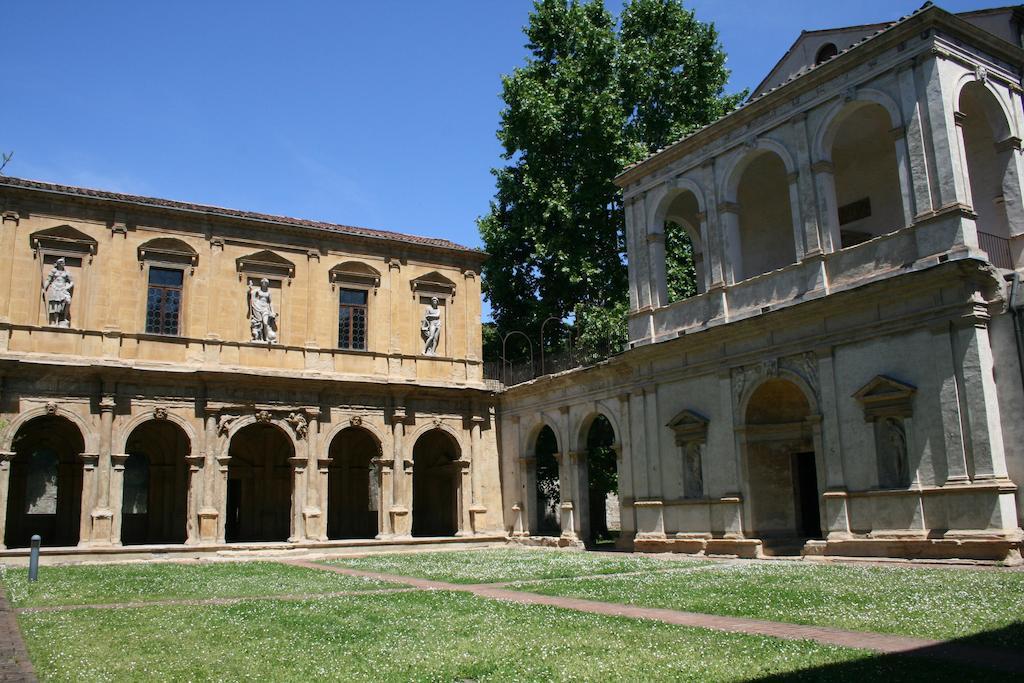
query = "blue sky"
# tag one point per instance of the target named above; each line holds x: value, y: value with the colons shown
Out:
x: 381, y: 114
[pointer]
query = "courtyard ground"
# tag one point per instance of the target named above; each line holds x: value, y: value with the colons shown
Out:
x: 474, y: 616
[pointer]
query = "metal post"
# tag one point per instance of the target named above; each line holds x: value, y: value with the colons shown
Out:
x: 33, y: 559
x: 542, y: 341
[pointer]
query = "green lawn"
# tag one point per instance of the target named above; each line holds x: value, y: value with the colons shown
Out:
x: 929, y: 603
x: 100, y: 584
x: 422, y: 636
x: 504, y: 564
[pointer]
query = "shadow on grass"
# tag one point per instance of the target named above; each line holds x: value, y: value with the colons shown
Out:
x: 962, y: 659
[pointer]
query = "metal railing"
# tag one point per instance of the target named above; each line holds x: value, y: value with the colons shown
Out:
x: 512, y: 372
x: 997, y: 248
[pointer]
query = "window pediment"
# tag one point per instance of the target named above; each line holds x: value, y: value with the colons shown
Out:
x: 169, y: 249
x: 886, y: 397
x: 63, y: 239
x: 265, y: 262
x: 355, y: 272
x: 689, y: 426
x: 433, y: 283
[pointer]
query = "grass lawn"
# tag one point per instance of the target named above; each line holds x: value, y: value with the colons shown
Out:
x: 101, y: 584
x: 504, y: 564
x: 929, y: 603
x: 423, y: 636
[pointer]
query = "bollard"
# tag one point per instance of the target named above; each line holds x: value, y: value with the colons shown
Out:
x: 33, y: 559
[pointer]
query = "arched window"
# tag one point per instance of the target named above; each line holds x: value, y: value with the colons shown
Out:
x: 765, y: 217
x: 825, y: 53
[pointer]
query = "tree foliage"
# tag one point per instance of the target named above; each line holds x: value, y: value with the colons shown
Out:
x: 594, y: 95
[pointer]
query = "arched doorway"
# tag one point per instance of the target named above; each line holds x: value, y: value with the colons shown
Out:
x: 45, y: 492
x: 988, y: 157
x: 435, y: 485
x: 259, y: 485
x: 765, y: 217
x: 781, y: 467
x: 547, y: 486
x: 867, y: 182
x: 153, y: 504
x: 353, y: 489
x: 602, y: 509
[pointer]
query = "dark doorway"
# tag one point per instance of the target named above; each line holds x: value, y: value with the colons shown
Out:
x: 263, y: 484
x: 45, y: 492
x: 435, y: 485
x: 548, y: 488
x: 234, y: 508
x: 155, y: 489
x: 805, y: 483
x: 353, y: 490
x: 602, y: 483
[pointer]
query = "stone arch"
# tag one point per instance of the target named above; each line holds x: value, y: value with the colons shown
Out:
x: 43, y: 494
x: 125, y: 432
x: 587, y: 422
x: 988, y: 160
x: 260, y: 494
x: 869, y: 173
x: 760, y: 218
x: 542, y: 479
x: 597, y: 493
x: 422, y: 429
x: 155, y: 481
x: 346, y: 423
x: 784, y: 374
x: 89, y: 435
x: 436, y: 482
x: 782, y: 462
x: 742, y: 159
x: 534, y: 431
x: 684, y: 206
x: 838, y: 112
x: 353, y: 483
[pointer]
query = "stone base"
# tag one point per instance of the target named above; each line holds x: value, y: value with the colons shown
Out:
x: 547, y: 542
x: 1006, y: 551
x: 720, y: 547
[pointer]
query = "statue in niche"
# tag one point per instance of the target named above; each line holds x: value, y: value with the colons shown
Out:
x: 58, y: 289
x: 430, y: 327
x: 897, y: 438
x: 262, y: 318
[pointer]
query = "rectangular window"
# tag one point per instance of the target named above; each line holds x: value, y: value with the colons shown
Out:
x: 163, y: 302
x: 352, y: 319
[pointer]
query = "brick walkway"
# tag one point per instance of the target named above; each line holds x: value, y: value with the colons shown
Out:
x: 14, y: 661
x: 886, y: 643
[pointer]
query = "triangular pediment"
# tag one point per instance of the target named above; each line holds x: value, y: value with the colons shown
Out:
x: 266, y: 262
x: 63, y: 238
x: 689, y: 426
x: 433, y: 282
x: 882, y: 387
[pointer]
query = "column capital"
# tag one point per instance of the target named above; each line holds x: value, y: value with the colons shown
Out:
x: 823, y: 166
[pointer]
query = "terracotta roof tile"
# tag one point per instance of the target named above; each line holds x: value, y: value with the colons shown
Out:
x: 8, y: 181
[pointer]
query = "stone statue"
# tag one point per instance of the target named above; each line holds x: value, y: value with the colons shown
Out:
x: 430, y: 327
x: 897, y: 446
x: 58, y: 289
x: 262, y: 318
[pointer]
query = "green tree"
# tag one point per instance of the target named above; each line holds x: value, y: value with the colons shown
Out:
x: 593, y: 96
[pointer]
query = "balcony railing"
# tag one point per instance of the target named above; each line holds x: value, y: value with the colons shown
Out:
x: 997, y: 248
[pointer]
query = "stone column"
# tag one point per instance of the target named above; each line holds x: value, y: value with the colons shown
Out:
x: 477, y: 509
x: 828, y: 209
x: 400, y: 511
x: 314, y: 511
x: 985, y: 434
x: 220, y: 486
x: 807, y: 218
x: 827, y: 443
x: 5, y: 486
x: 89, y: 489
x: 581, y: 493
x: 899, y: 139
x: 659, y: 278
x: 298, y: 530
x: 527, y: 509
x: 385, y: 474
x: 102, y: 515
x: 465, y: 495
x: 732, y: 254
x: 940, y: 77
x: 914, y: 140
x: 799, y: 235
x: 194, y: 498
x: 950, y: 452
x: 205, y: 479
x: 116, y: 495
x: 624, y: 466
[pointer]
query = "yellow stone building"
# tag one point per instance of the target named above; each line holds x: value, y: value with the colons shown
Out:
x: 182, y: 374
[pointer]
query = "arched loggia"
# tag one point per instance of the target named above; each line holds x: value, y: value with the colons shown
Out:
x: 353, y: 488
x: 259, y: 484
x: 546, y: 485
x: 154, y: 499
x: 436, y: 480
x: 45, y: 490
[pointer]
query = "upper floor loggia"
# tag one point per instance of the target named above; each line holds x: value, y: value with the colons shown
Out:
x: 898, y: 153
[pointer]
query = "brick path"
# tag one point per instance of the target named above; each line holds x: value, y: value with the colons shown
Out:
x: 886, y: 643
x: 14, y: 661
